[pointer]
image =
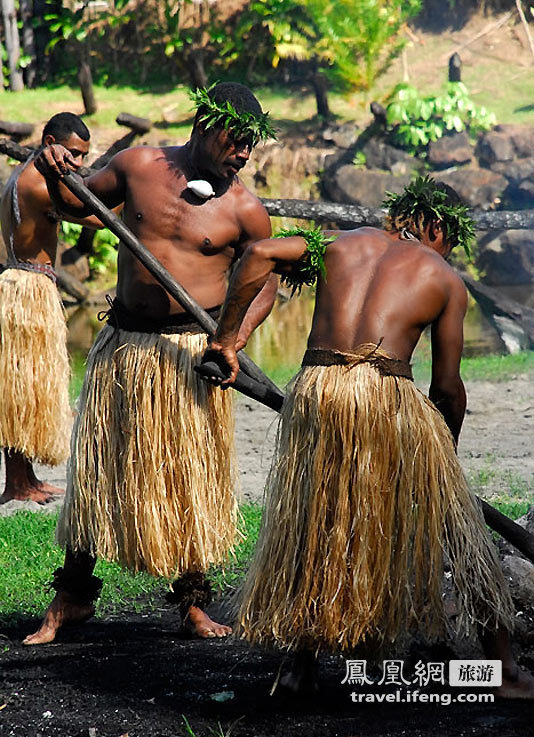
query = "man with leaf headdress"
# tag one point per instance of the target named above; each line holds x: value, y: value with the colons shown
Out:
x: 366, y: 495
x: 152, y: 476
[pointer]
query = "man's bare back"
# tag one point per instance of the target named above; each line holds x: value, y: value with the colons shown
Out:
x: 383, y: 289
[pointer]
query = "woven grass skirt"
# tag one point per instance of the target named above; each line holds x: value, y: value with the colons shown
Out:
x: 365, y: 498
x: 35, y: 416
x: 152, y: 474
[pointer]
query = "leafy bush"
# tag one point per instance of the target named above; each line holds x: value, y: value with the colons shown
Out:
x: 357, y: 40
x: 420, y: 119
x: 103, y: 256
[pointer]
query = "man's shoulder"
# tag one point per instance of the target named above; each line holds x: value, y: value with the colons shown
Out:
x: 142, y: 155
x: 246, y: 202
x: 31, y: 186
x: 443, y: 277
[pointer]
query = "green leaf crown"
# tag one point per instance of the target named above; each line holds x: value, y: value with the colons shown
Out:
x: 306, y: 270
x: 224, y: 115
x: 424, y: 197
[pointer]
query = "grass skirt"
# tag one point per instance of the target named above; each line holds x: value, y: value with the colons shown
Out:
x: 35, y: 416
x: 364, y: 497
x: 152, y: 473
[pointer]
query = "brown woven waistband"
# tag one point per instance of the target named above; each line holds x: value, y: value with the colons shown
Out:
x: 118, y: 316
x: 44, y: 269
x: 367, y: 353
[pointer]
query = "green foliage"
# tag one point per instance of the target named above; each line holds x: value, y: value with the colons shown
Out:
x: 241, y: 124
x: 103, y: 257
x: 359, y: 159
x: 357, y: 40
x: 268, y: 31
x: 420, y: 119
x: 353, y: 41
x: 307, y: 270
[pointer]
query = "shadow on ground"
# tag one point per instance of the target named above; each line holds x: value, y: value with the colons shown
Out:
x: 138, y: 676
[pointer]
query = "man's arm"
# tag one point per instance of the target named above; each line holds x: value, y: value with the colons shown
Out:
x: 108, y: 184
x: 37, y: 198
x: 256, y: 227
x: 252, y: 273
x: 446, y: 389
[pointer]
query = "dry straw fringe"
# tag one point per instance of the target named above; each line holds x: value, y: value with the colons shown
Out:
x: 35, y: 416
x: 365, y: 496
x: 152, y: 474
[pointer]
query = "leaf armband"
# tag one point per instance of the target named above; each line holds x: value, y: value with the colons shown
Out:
x: 311, y: 266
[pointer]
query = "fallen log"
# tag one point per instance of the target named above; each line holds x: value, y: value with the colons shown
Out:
x: 139, y: 125
x: 119, y: 145
x: 15, y: 150
x: 504, y: 526
x: 71, y: 285
x: 355, y: 216
x: 513, y: 322
x: 16, y: 130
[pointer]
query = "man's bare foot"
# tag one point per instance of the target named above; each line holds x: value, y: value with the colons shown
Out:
x: 517, y: 685
x: 39, y: 492
x: 302, y: 679
x: 199, y: 624
x: 63, y: 610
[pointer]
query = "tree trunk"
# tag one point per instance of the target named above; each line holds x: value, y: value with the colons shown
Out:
x: 1, y: 67
x: 12, y: 45
x: 44, y: 61
x: 320, y: 89
x: 85, y: 80
x: 197, y: 72
x: 28, y: 42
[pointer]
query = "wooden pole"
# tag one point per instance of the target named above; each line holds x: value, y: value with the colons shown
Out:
x: 504, y: 526
x: 525, y: 25
x: 168, y: 282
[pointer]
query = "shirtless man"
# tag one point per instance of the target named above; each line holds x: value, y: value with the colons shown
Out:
x: 152, y: 478
x: 35, y: 417
x: 366, y: 491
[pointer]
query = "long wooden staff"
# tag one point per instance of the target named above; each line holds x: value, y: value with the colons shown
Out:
x: 507, y: 528
x: 168, y: 282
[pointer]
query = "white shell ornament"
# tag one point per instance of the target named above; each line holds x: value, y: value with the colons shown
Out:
x: 201, y: 188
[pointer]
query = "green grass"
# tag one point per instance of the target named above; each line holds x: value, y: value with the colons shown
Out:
x: 484, y: 368
x: 28, y: 556
x: 77, y: 367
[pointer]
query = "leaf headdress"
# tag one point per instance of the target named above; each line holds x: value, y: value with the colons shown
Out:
x: 224, y: 115
x: 422, y: 200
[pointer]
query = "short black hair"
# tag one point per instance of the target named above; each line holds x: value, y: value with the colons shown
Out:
x: 238, y: 94
x: 63, y: 124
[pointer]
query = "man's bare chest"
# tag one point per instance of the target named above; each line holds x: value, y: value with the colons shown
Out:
x: 167, y: 211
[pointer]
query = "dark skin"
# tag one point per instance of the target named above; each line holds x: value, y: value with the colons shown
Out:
x: 35, y: 240
x: 379, y: 288
x: 196, y: 241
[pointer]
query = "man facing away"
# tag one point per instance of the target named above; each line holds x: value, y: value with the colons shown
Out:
x: 35, y: 417
x: 366, y: 494
x: 151, y: 482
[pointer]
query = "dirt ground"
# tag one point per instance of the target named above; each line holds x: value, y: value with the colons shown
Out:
x: 139, y: 676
